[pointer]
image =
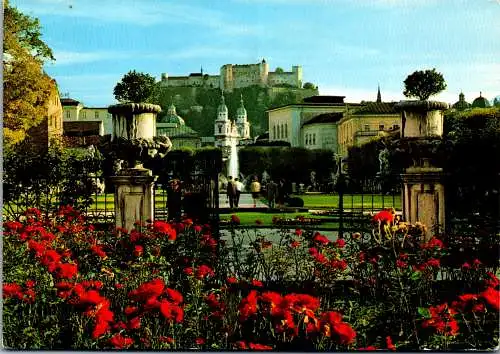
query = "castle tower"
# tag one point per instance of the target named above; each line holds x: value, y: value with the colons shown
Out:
x: 222, y: 128
x: 242, y: 123
x: 263, y: 72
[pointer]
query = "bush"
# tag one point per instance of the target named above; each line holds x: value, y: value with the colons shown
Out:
x: 295, y: 202
x: 176, y: 286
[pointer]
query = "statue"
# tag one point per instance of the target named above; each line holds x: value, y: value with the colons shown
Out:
x: 383, y: 158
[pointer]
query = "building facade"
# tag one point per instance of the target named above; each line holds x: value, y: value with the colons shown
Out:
x: 74, y: 111
x: 234, y: 76
x: 227, y: 131
x: 326, y: 122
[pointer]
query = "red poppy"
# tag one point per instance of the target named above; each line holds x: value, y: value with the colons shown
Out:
x: 340, y: 243
x: 30, y: 283
x: 134, y: 323
x: 433, y: 243
x: 204, y: 271
x: 200, y: 341
x: 12, y: 290
x: 321, y: 239
x: 98, y: 251
x: 248, y: 306
x: 339, y: 264
x: 344, y: 332
x: 401, y: 264
x: 492, y: 297
x: 197, y: 228
x: 298, y: 232
x: 257, y: 283
x: 232, y: 280
x: 188, y: 271
x: 175, y: 296
x: 121, y: 342
x: 147, y: 290
x: 295, y: 244
x: 168, y: 340
x: 241, y: 345
x: 138, y: 250
x: 119, y: 286
x: 130, y: 310
x: 493, y: 281
x: 388, y: 341
x: 384, y: 217
x: 67, y: 270
x: 165, y: 228
x: 235, y: 219
x: 256, y: 346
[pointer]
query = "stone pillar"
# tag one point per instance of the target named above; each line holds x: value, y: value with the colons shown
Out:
x: 133, y: 140
x: 134, y: 200
x: 423, y: 192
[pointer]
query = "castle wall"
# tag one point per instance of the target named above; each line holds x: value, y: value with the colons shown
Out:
x: 289, y: 78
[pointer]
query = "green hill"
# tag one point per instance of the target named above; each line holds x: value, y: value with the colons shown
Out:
x: 198, y: 105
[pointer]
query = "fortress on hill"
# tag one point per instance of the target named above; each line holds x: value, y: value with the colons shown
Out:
x: 233, y: 76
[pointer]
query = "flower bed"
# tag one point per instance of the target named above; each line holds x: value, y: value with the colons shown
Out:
x: 176, y: 286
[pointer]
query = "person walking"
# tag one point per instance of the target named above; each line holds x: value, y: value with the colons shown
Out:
x: 255, y: 189
x: 272, y: 189
x: 231, y: 191
x: 238, y: 189
x: 174, y: 200
x: 281, y: 193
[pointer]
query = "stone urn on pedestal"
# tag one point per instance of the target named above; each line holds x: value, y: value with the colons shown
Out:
x: 423, y: 193
x: 133, y: 140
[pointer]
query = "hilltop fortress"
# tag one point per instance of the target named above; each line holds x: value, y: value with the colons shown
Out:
x: 233, y: 76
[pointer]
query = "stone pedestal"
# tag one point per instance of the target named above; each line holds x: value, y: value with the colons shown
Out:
x: 423, y: 198
x: 423, y: 192
x: 134, y: 200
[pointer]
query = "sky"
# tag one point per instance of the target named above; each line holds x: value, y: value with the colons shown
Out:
x: 346, y: 47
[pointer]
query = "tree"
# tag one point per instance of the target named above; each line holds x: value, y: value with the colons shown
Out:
x: 423, y: 84
x: 309, y: 86
x: 279, y: 70
x: 26, y: 87
x: 135, y: 87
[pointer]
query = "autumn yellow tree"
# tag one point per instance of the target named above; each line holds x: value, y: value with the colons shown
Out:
x: 26, y: 87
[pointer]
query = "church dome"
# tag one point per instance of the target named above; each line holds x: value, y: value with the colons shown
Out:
x: 172, y: 116
x: 461, y: 103
x: 480, y: 102
x: 222, y: 107
x: 241, y: 111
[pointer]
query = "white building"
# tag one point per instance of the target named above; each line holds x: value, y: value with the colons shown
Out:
x: 228, y: 131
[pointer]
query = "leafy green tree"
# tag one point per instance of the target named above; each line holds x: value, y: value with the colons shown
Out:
x: 423, y: 84
x: 26, y: 88
x: 279, y: 70
x: 135, y: 87
x: 309, y: 86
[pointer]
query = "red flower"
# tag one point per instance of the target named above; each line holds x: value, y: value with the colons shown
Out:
x: 30, y: 283
x: 295, y: 244
x: 432, y: 262
x: 138, y: 250
x: 121, y: 342
x: 232, y: 280
x: 257, y: 283
x: 298, y: 232
x: 135, y: 323
x: 241, y: 345
x: 492, y: 297
x: 197, y: 228
x: 175, y: 296
x: 390, y: 346
x: 171, y: 312
x: 321, y: 239
x: 401, y: 264
x: 259, y: 346
x: 67, y: 270
x: 12, y: 290
x: 433, y: 243
x: 340, y: 243
x: 342, y: 264
x: 130, y: 310
x: 188, y: 271
x: 168, y: 340
x: 248, y: 306
x: 147, y: 290
x: 98, y: 251
x: 493, y: 282
x: 165, y: 228
x: 119, y: 286
x: 478, y: 307
x: 384, y: 217
x: 344, y: 332
x: 204, y: 271
x: 235, y: 219
x: 200, y: 341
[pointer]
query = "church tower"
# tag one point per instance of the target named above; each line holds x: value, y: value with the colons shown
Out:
x: 242, y: 122
x: 222, y: 129
x: 379, y: 96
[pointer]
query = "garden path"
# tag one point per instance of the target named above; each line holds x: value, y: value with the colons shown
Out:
x: 246, y: 202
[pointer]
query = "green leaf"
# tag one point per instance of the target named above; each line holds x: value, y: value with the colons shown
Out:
x: 416, y: 275
x: 424, y: 312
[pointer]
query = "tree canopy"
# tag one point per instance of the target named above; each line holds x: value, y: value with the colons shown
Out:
x: 423, y: 84
x: 135, y: 87
x: 26, y: 87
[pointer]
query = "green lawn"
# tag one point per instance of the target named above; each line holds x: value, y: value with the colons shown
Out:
x: 356, y: 201
x: 250, y: 218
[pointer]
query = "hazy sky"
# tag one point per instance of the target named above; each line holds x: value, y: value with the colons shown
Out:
x: 346, y: 47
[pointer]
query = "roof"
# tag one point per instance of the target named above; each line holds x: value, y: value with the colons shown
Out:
x: 377, y: 108
x: 480, y: 102
x: 324, y: 99
x: 325, y: 118
x: 178, y: 132
x: 195, y: 74
x: 69, y: 102
x: 319, y: 105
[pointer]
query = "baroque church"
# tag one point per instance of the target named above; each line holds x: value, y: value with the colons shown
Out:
x: 228, y: 132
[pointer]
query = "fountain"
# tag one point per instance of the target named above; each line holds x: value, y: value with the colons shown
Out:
x: 233, y: 167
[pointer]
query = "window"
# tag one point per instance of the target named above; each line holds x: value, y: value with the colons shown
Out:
x: 307, y: 139
x: 286, y: 130
x: 220, y: 129
x: 68, y: 114
x: 84, y: 114
x: 282, y: 131
x: 96, y: 114
x: 278, y: 130
x: 367, y: 127
x: 314, y: 139
x: 381, y: 127
x: 274, y: 132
